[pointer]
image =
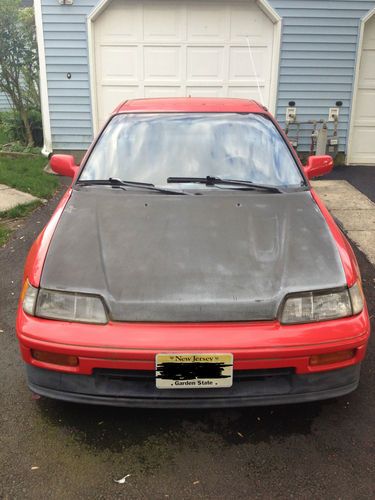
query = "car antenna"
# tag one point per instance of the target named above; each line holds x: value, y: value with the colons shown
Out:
x: 254, y: 70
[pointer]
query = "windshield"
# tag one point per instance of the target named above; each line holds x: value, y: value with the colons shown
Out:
x: 152, y: 147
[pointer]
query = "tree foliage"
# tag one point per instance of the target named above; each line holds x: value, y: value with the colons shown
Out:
x: 19, y: 69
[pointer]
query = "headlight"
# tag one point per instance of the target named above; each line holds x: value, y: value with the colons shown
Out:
x: 29, y: 295
x: 321, y: 306
x: 65, y: 306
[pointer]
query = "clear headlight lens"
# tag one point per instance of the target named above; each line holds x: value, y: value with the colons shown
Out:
x: 68, y: 306
x: 29, y: 295
x: 357, y: 297
x: 318, y: 306
x: 65, y: 306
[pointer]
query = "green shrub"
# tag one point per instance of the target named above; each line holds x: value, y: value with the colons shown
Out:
x: 13, y: 126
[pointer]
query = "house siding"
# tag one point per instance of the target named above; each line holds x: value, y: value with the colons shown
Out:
x: 317, y: 63
x: 318, y: 57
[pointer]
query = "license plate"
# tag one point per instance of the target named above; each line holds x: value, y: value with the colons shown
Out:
x: 194, y: 371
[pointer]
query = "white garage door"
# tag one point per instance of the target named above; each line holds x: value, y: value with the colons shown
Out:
x: 362, y: 145
x: 181, y: 48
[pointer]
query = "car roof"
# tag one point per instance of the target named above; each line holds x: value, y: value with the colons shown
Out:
x: 190, y: 104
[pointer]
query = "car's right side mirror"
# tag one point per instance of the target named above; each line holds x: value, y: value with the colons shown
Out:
x: 317, y: 166
x: 64, y: 165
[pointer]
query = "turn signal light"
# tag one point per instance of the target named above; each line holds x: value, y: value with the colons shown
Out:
x: 332, y: 357
x: 54, y: 358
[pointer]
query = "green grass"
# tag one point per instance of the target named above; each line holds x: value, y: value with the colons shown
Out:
x: 20, y: 210
x: 26, y: 174
x: 4, y: 234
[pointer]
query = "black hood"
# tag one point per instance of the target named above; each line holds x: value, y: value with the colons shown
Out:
x: 222, y: 256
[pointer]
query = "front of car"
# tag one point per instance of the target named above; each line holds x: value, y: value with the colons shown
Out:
x: 191, y: 265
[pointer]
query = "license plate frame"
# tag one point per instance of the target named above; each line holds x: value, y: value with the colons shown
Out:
x: 193, y: 370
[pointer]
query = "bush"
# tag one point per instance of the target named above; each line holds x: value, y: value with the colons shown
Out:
x: 14, y: 128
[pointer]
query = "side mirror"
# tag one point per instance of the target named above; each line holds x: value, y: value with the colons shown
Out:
x: 64, y: 165
x: 318, y: 165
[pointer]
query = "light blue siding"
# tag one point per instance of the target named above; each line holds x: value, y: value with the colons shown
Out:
x: 65, y: 39
x: 4, y: 102
x: 318, y: 57
x: 317, y: 63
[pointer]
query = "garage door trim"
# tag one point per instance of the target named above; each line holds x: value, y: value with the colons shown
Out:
x: 263, y: 5
x: 364, y: 20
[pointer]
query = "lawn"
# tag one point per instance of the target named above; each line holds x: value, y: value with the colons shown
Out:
x: 20, y: 210
x: 26, y: 174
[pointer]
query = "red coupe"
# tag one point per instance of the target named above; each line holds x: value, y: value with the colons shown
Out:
x: 191, y: 264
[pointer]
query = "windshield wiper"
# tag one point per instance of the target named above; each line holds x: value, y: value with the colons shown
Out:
x: 212, y: 181
x: 115, y: 182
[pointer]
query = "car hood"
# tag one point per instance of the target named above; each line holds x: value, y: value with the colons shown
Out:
x: 221, y: 256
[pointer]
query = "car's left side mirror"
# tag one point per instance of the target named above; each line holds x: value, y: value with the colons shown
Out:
x: 64, y: 165
x: 318, y: 165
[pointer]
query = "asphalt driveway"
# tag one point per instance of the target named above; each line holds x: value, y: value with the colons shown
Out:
x: 54, y: 450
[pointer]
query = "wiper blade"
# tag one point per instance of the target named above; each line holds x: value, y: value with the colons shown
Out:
x: 115, y: 182
x: 212, y: 181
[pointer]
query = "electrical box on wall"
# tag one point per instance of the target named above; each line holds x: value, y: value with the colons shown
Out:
x: 333, y: 114
x: 66, y: 2
x: 291, y: 115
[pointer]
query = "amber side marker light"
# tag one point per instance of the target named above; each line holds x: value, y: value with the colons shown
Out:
x: 54, y: 358
x: 332, y: 357
x: 24, y: 289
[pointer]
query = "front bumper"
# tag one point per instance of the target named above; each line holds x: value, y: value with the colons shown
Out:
x: 281, y: 353
x: 249, y: 389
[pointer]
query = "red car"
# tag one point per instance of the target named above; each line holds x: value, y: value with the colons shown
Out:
x: 191, y: 264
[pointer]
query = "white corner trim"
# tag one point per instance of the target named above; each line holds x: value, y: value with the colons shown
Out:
x: 94, y: 14
x: 92, y: 76
x: 47, y: 136
x: 262, y: 4
x: 364, y: 20
x: 276, y: 51
x: 269, y: 11
x: 276, y: 55
x: 368, y: 16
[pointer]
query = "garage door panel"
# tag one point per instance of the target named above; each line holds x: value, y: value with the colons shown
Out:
x: 245, y: 92
x: 205, y: 63
x: 207, y: 22
x: 363, y: 110
x: 362, y: 138
x: 241, y: 67
x: 112, y: 96
x: 367, y: 68
x: 120, y: 25
x: 162, y: 23
x: 195, y: 91
x: 246, y: 22
x: 167, y: 48
x: 162, y: 63
x: 163, y: 91
x: 118, y: 64
x: 369, y: 35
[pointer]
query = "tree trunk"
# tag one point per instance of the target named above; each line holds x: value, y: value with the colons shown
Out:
x: 28, y: 132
